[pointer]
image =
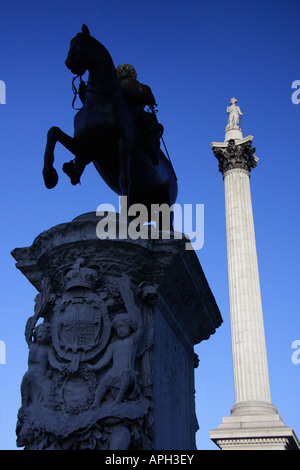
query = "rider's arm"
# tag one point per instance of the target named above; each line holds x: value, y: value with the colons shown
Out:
x: 146, y: 95
x: 137, y: 92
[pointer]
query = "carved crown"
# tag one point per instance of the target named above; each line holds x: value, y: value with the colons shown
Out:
x: 81, y: 276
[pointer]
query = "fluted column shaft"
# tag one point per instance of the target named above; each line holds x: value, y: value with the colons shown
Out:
x: 251, y: 378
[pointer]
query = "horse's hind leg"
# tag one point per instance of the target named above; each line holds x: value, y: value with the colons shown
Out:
x: 55, y: 134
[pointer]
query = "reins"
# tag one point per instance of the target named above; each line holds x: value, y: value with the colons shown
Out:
x: 154, y: 111
x: 87, y: 90
x: 75, y: 91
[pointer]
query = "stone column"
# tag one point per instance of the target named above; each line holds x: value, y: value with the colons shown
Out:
x: 247, y: 327
x: 251, y: 379
x: 254, y: 422
x: 111, y: 358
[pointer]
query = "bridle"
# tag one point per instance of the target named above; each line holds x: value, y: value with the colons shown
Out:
x: 76, y: 92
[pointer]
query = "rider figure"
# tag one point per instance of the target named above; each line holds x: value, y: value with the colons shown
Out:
x: 137, y: 96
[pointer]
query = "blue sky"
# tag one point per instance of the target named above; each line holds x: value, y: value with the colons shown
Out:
x: 195, y: 55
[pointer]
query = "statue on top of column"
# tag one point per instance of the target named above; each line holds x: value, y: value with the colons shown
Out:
x: 234, y: 112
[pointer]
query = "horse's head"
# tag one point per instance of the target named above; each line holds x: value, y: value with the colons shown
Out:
x: 78, y: 55
x: 86, y: 53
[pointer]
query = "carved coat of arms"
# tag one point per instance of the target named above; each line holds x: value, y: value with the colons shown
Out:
x: 89, y: 364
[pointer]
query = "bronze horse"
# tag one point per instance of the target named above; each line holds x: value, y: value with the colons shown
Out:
x: 105, y: 133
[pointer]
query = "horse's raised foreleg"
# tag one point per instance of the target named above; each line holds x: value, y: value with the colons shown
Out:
x: 55, y: 134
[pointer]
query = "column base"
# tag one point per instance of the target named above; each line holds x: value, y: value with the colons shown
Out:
x: 254, y: 431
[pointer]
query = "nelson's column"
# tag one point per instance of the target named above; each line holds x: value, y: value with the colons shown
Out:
x: 254, y: 423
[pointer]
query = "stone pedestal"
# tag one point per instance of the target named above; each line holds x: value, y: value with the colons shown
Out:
x: 111, y: 359
x: 235, y: 134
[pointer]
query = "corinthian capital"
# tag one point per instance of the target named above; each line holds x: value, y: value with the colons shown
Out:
x: 233, y: 155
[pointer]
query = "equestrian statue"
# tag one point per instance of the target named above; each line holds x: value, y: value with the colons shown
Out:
x: 113, y: 130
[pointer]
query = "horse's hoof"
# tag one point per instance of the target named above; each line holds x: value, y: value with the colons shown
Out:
x: 50, y: 178
x: 69, y: 169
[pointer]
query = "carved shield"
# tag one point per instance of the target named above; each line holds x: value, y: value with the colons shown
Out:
x: 80, y: 326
